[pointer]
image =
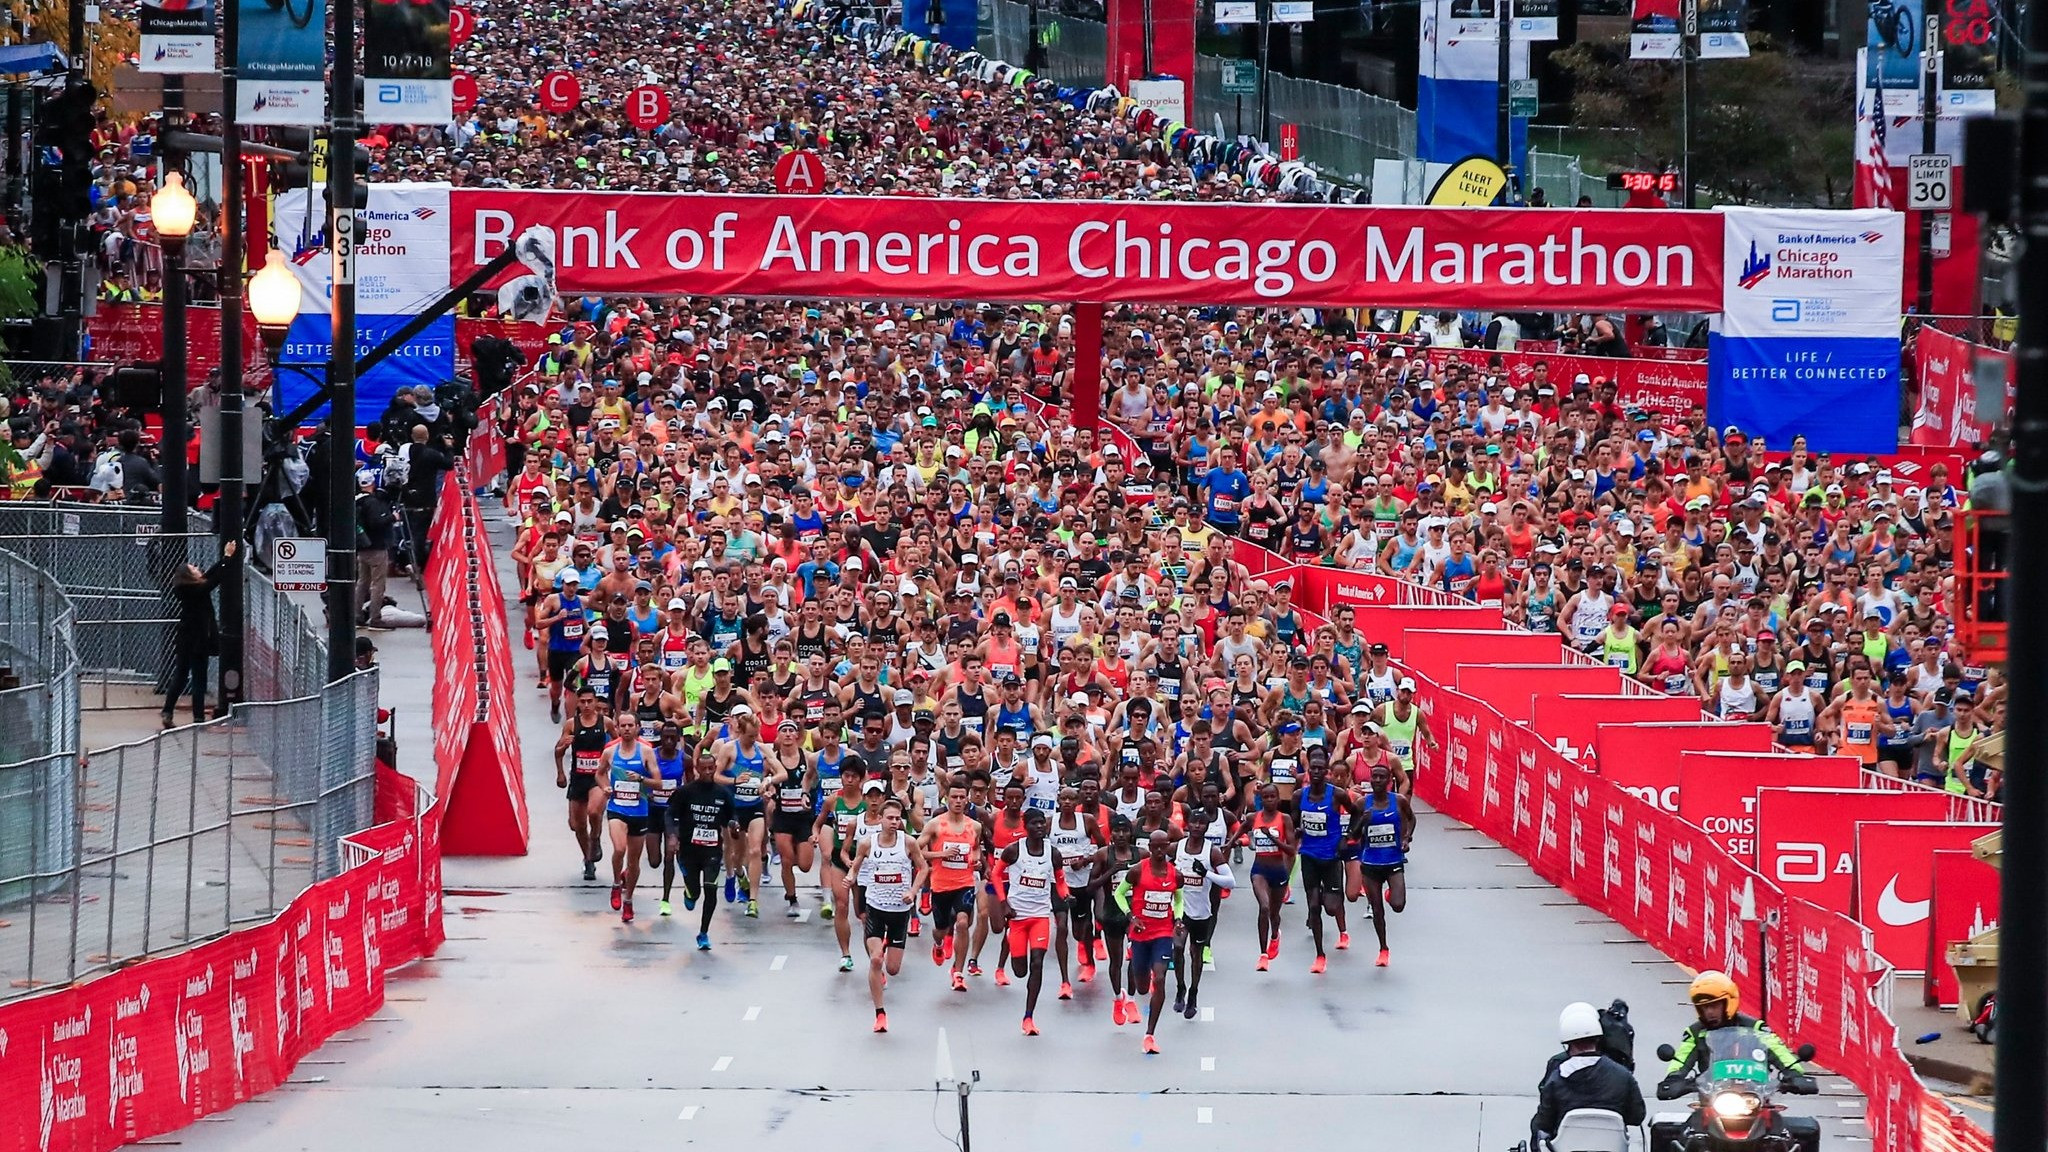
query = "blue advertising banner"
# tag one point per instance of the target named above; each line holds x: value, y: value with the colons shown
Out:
x: 176, y: 37
x: 1895, y: 36
x: 428, y: 358
x: 1457, y: 94
x: 281, y: 62
x: 1807, y: 342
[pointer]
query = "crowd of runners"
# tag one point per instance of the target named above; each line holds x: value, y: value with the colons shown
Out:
x: 821, y: 593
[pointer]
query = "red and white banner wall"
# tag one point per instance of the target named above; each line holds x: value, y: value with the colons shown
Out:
x: 156, y: 1046
x: 1946, y: 369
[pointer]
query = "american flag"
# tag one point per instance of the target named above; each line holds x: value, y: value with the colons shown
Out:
x: 1882, y: 194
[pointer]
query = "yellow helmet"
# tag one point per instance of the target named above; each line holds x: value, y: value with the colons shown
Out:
x: 1708, y: 987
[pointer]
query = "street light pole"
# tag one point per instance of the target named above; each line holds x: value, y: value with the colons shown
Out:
x: 229, y: 513
x: 1688, y: 63
x: 341, y: 363
x: 173, y: 212
x: 1928, y: 77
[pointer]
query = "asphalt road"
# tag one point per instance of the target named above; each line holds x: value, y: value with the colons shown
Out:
x: 545, y: 1022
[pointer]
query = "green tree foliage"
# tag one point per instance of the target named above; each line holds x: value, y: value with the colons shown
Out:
x: 1769, y: 129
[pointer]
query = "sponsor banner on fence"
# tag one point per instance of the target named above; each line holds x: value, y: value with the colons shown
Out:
x: 1669, y: 389
x: 1643, y: 758
x: 1895, y: 883
x: 281, y: 62
x: 869, y: 247
x: 133, y: 333
x: 1806, y: 837
x: 176, y: 37
x: 1946, y: 368
x: 1965, y: 904
x: 1717, y: 790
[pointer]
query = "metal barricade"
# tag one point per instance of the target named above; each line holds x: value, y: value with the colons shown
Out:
x: 38, y: 725
x: 184, y: 836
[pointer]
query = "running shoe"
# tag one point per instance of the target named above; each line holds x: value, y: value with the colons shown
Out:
x: 1101, y: 950
x: 949, y: 946
x: 590, y: 869
x: 703, y: 941
x: 1151, y: 1046
x: 746, y: 890
x: 626, y: 913
x: 916, y: 926
x: 689, y: 900
x: 618, y: 896
x: 825, y: 913
x: 1191, y: 1011
x: 1087, y: 972
x: 881, y: 1020
x: 753, y: 909
x: 1002, y: 976
x: 846, y: 963
x: 1180, y: 1001
x: 959, y: 982
x: 924, y: 902
x: 791, y: 910
x: 1273, y: 948
x: 1382, y: 961
x: 1263, y: 962
x: 938, y: 955
x: 731, y: 890
x: 1116, y: 1011
x: 1066, y: 990
x: 662, y: 909
x: 1030, y: 1029
x: 974, y: 968
x: 1319, y: 965
x: 1343, y: 941
x: 1208, y: 955
x: 556, y: 713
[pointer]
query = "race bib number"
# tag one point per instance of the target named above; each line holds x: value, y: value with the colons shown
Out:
x: 1614, y: 659
x: 1859, y: 733
x: 586, y: 764
x: 748, y: 788
x: 704, y: 837
x: 573, y: 630
x: 1315, y: 823
x: 1380, y: 836
x: 627, y: 791
x: 1157, y: 905
x: 1031, y: 881
x: 890, y: 878
x: 956, y: 856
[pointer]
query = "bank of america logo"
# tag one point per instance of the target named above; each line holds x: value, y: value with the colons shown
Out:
x: 423, y: 213
x: 1871, y: 237
x: 1755, y: 268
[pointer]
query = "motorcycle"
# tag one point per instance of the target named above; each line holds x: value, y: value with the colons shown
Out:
x: 1733, y: 1109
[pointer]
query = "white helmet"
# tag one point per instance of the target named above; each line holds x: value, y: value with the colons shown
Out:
x: 1578, y: 1022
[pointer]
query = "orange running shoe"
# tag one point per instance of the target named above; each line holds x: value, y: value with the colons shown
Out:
x: 1263, y: 962
x: 1030, y: 1029
x: 1343, y: 941
x: 1151, y: 1046
x: 1101, y: 950
x: 1320, y: 964
x: 1002, y: 975
x: 959, y: 982
x: 618, y: 897
x: 1087, y: 972
x: 626, y: 913
x: 1382, y: 961
x: 1066, y: 990
x: 881, y: 1020
x: 1116, y: 1011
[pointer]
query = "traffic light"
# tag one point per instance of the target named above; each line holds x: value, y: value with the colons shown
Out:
x: 61, y: 187
x: 137, y: 387
x: 312, y: 170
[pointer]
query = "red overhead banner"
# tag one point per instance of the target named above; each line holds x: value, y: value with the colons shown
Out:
x: 869, y: 247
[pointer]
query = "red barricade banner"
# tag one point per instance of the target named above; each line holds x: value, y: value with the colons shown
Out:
x: 1946, y: 368
x: 132, y: 333
x: 1643, y: 758
x: 872, y: 247
x: 1576, y: 718
x: 1437, y: 652
x: 1895, y: 883
x: 1323, y: 588
x: 1965, y: 904
x: 479, y: 772
x: 1668, y: 388
x: 1911, y: 465
x: 1717, y: 790
x: 1806, y: 837
x: 1513, y: 688
x: 1391, y: 624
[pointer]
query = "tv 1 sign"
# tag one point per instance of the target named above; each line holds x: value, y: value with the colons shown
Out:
x: 1717, y: 790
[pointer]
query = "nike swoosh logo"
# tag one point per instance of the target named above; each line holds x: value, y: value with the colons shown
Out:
x: 1899, y: 913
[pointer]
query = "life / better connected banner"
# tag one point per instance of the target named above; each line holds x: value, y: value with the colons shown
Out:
x: 878, y: 247
x: 281, y: 62
x: 1808, y: 338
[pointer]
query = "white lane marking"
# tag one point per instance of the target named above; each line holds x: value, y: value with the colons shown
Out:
x: 1208, y: 1063
x: 753, y: 1014
x: 689, y: 1113
x: 803, y: 916
x: 1208, y: 1015
x: 1848, y: 1105
x: 1205, y: 1115
x: 776, y: 964
x: 724, y: 1062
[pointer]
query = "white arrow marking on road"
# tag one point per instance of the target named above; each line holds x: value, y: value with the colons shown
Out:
x: 753, y: 1014
x: 1208, y: 1063
x: 724, y: 1062
x: 689, y: 1113
x: 1205, y: 1115
x: 1208, y: 1015
x: 776, y: 964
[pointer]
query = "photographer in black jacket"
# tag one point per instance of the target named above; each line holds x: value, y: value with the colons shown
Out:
x: 1582, y: 1077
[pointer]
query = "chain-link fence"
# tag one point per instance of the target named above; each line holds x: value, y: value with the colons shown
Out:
x: 1342, y: 130
x: 1564, y: 179
x: 1075, y: 49
x: 1991, y: 331
x: 38, y: 722
x: 285, y: 655
x: 184, y: 836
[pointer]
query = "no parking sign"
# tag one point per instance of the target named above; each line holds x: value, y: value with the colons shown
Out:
x: 299, y: 563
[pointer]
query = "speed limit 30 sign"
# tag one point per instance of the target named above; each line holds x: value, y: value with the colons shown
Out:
x: 1929, y: 182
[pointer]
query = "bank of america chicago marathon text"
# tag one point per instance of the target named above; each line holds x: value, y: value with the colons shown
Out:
x: 1273, y: 267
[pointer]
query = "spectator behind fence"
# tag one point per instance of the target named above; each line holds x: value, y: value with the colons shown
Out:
x: 198, y: 633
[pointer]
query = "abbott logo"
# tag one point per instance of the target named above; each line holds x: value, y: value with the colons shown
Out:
x: 1802, y: 863
x: 1785, y: 311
